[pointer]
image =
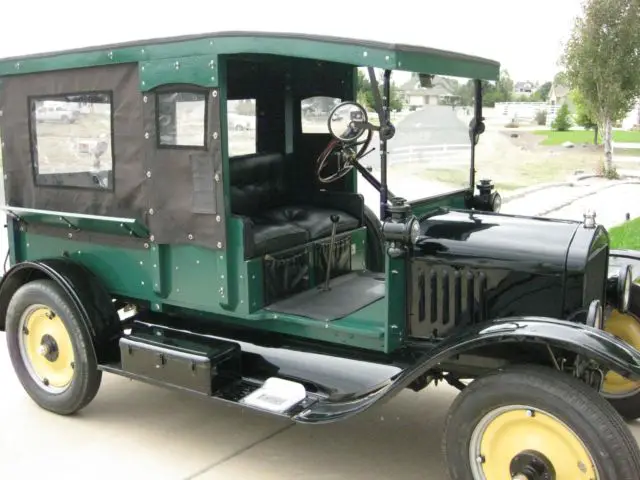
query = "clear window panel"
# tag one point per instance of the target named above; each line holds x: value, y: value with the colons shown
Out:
x: 241, y: 126
x: 182, y: 119
x: 71, y: 137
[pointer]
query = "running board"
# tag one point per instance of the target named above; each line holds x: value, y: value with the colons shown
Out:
x: 213, y: 370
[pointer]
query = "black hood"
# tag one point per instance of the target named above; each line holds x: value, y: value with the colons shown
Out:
x: 496, y: 240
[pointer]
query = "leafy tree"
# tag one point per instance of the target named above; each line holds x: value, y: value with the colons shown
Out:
x: 542, y: 93
x: 585, y: 116
x: 504, y: 87
x: 602, y: 60
x: 562, y: 122
x: 365, y: 94
x: 561, y: 78
x: 465, y: 93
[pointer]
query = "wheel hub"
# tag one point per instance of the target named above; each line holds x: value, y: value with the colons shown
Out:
x: 531, y: 465
x: 49, y: 348
x: 46, y: 349
x: 527, y: 444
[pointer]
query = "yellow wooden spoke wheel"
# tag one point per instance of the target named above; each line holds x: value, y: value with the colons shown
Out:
x: 51, y: 347
x: 46, y: 348
x: 523, y: 443
x: 627, y: 328
x: 527, y: 422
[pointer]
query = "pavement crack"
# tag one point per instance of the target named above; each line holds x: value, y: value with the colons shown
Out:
x: 239, y: 452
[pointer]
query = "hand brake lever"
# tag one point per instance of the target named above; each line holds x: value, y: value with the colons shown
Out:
x: 334, y: 220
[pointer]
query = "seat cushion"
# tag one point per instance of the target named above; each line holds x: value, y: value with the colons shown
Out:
x: 257, y: 183
x: 269, y: 236
x: 315, y: 220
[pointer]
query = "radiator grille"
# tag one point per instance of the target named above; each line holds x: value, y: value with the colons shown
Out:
x: 595, y: 276
x: 443, y: 297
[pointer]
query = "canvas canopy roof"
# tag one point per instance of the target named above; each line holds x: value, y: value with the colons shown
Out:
x: 201, y: 51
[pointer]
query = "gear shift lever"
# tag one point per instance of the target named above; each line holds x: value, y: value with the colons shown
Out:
x: 334, y: 220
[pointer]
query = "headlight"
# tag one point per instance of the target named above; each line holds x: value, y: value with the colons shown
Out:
x: 403, y: 232
x: 595, y: 315
x: 625, y: 278
x: 619, y: 289
x: 415, y: 230
x: 496, y: 202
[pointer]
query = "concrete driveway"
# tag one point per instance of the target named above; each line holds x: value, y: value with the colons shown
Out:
x: 133, y: 430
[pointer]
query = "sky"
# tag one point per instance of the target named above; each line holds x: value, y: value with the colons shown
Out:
x: 524, y: 36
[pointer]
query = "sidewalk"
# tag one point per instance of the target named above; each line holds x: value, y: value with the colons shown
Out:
x: 610, y: 200
x: 610, y: 206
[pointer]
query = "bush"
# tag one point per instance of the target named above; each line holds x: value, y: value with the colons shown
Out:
x: 512, y: 124
x: 562, y: 122
x: 610, y: 174
x: 541, y: 117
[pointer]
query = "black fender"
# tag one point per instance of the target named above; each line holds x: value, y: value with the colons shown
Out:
x: 591, y: 343
x: 84, y: 289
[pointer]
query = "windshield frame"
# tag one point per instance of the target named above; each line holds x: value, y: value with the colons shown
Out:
x: 387, y: 131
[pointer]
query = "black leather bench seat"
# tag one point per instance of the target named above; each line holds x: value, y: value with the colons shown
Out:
x: 273, y: 220
x: 315, y: 220
x: 269, y: 236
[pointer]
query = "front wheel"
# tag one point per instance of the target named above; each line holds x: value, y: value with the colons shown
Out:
x: 50, y: 349
x: 533, y: 422
x: 624, y: 394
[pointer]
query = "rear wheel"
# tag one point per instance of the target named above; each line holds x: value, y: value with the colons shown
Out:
x: 623, y: 394
x: 50, y: 348
x: 534, y: 422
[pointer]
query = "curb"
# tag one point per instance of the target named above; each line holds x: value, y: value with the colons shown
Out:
x: 588, y: 194
x: 536, y: 188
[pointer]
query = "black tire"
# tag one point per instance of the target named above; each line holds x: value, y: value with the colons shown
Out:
x: 375, y: 241
x: 86, y: 377
x: 628, y: 407
x: 581, y: 409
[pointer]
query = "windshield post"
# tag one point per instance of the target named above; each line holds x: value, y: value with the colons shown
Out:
x: 385, y: 122
x: 475, y: 129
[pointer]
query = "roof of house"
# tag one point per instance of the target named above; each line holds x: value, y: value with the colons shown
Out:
x: 204, y: 48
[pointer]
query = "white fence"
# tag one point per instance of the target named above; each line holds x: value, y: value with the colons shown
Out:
x: 526, y: 111
x: 422, y: 153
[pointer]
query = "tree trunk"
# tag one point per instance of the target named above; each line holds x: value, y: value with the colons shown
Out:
x: 595, y: 134
x: 608, y: 152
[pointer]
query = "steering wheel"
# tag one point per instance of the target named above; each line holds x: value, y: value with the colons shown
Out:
x: 346, y: 153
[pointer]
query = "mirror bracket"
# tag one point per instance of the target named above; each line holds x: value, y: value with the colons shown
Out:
x: 387, y: 132
x: 366, y: 126
x: 476, y: 128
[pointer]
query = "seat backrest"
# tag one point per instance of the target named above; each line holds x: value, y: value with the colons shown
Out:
x: 257, y: 182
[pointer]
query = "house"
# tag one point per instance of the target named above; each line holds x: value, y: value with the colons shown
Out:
x: 632, y: 120
x: 442, y: 92
x: 524, y: 88
x: 558, y: 95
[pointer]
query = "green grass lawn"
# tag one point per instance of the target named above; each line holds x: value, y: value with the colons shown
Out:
x: 584, y: 136
x: 626, y: 236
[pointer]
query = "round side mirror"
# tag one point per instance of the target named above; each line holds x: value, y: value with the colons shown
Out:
x: 346, y: 121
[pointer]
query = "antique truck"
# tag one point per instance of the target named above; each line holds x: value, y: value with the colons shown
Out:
x: 152, y: 238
